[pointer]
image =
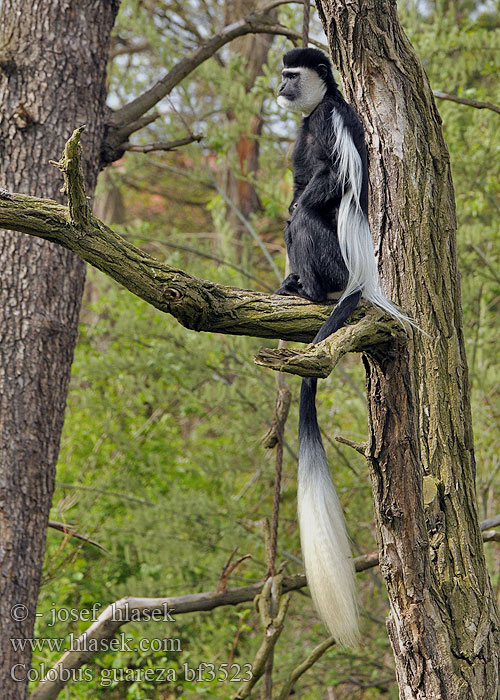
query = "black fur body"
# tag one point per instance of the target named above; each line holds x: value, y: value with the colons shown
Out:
x: 317, y: 266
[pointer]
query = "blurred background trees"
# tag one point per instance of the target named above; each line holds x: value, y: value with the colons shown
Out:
x: 161, y: 457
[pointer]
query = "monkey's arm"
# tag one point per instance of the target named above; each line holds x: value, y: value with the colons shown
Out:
x: 322, y: 189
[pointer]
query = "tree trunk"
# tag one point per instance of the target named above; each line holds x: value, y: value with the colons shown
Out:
x: 240, y: 190
x: 53, y: 57
x: 443, y: 622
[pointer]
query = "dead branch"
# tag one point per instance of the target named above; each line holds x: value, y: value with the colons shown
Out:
x: 360, y: 447
x: 127, y: 117
x: 74, y: 186
x: 131, y: 609
x: 254, y: 23
x: 272, y: 606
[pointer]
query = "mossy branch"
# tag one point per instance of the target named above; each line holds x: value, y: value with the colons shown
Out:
x: 197, y: 304
x: 74, y: 185
x: 373, y: 329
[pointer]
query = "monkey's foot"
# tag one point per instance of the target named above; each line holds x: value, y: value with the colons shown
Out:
x: 291, y: 286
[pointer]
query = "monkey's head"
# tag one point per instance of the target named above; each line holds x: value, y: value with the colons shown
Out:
x: 307, y: 75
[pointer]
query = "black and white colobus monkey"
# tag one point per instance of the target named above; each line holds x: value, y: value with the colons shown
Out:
x: 331, y: 254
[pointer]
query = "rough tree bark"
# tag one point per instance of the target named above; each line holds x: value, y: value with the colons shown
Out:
x: 443, y: 623
x: 53, y: 58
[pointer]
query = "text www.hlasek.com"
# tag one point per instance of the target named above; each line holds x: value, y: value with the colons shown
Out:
x: 120, y: 642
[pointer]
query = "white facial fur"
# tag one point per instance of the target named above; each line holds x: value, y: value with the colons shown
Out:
x: 311, y: 90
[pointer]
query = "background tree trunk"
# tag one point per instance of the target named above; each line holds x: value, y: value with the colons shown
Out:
x: 443, y: 623
x: 253, y: 48
x: 53, y: 58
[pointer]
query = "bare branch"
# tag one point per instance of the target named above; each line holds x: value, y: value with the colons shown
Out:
x: 360, y: 447
x: 491, y: 536
x: 70, y: 530
x: 490, y: 522
x: 121, y: 135
x: 316, y: 654
x: 273, y: 622
x: 128, y: 609
x: 121, y: 612
x: 228, y: 569
x: 464, y: 101
x: 254, y: 23
x: 124, y: 496
x: 162, y: 146
x: 125, y: 48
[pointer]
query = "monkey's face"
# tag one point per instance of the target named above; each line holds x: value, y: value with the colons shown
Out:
x: 301, y: 89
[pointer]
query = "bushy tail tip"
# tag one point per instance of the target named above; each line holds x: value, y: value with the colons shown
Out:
x: 325, y: 547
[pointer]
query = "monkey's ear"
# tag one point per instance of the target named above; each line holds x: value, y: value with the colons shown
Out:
x: 322, y: 70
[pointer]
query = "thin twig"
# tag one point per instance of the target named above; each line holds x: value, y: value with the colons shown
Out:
x: 316, y: 654
x: 118, y: 614
x: 126, y: 497
x: 478, y: 104
x: 70, y: 530
x: 208, y: 256
x: 250, y: 229
x: 162, y: 146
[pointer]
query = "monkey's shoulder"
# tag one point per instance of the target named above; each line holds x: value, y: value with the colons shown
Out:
x: 323, y: 123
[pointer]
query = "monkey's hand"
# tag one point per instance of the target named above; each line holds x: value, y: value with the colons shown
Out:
x: 291, y: 286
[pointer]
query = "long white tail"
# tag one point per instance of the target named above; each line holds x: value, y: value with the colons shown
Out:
x: 325, y: 547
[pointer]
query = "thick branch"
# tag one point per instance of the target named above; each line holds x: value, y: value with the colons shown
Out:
x: 255, y: 23
x: 371, y: 331
x: 197, y: 304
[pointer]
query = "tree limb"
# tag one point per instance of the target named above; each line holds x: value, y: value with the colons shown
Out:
x: 258, y: 22
x: 372, y: 330
x: 197, y: 304
x: 121, y: 135
x: 464, y: 101
x: 316, y: 654
x: 253, y: 23
x: 72, y: 532
x: 162, y: 146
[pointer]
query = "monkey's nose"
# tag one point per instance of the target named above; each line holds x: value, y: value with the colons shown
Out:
x: 281, y: 87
